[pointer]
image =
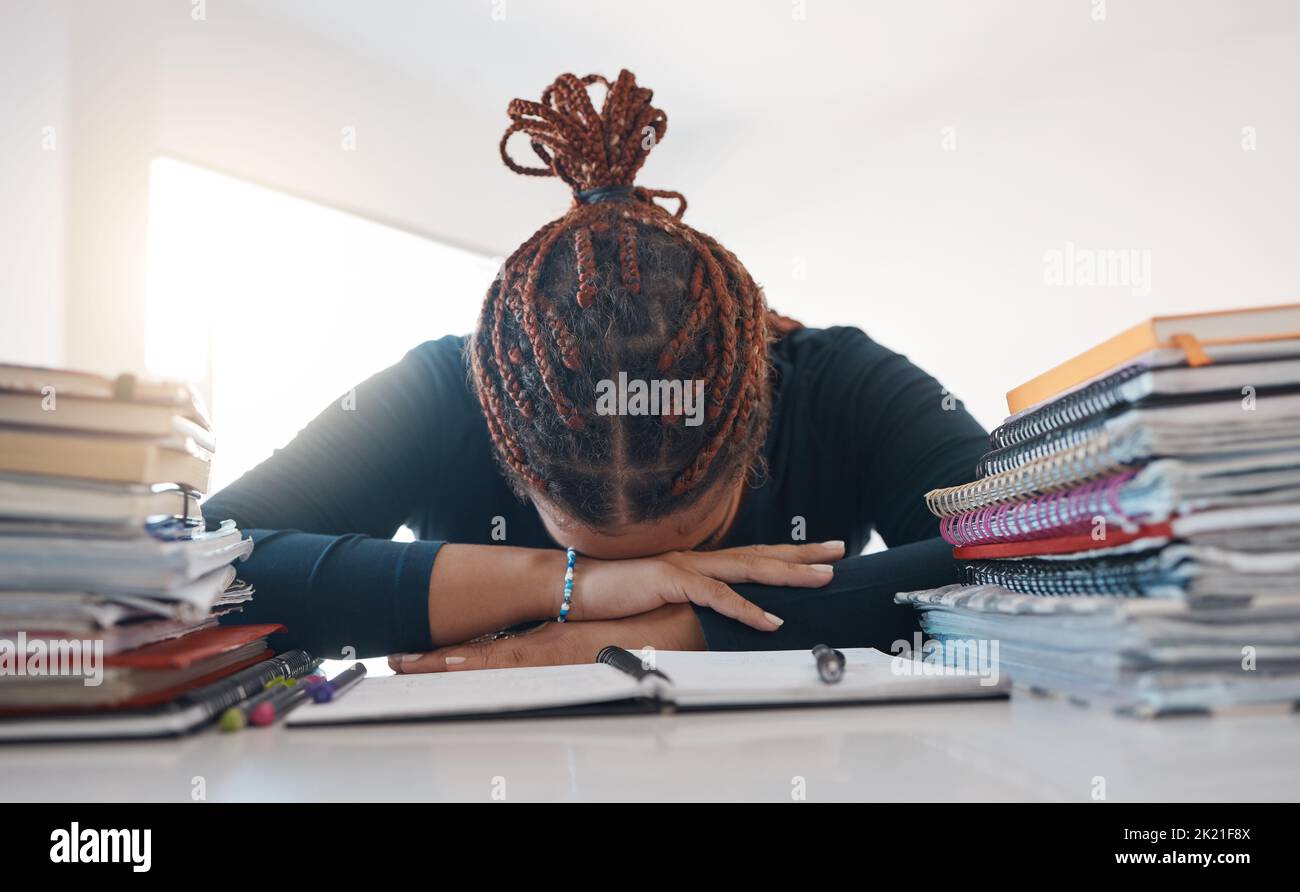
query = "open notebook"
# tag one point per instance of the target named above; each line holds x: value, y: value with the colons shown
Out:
x: 623, y: 682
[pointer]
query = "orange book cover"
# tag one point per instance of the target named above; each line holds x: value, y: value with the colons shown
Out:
x: 183, y: 652
x: 1184, y: 331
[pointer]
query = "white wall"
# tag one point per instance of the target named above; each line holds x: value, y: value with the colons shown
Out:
x: 811, y: 147
x: 33, y: 182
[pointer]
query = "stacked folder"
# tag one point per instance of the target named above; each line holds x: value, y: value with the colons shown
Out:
x: 106, y: 563
x: 1133, y: 537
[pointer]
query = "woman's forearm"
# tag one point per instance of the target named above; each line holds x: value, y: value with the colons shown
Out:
x: 476, y: 589
x: 671, y: 627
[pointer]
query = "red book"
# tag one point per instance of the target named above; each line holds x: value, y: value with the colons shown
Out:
x: 146, y: 676
x: 186, y: 651
x: 1060, y: 544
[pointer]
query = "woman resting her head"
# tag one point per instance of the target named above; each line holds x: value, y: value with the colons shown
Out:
x: 627, y: 404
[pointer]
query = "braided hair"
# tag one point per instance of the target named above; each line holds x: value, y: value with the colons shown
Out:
x: 617, y: 284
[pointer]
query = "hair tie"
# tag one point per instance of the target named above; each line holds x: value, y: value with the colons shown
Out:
x: 602, y: 194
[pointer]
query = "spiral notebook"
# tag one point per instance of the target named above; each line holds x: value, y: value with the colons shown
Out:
x: 1136, y: 385
x: 622, y: 681
x: 1196, y: 434
x: 1153, y: 494
x: 1147, y: 656
x: 1199, y: 428
x: 1177, y: 570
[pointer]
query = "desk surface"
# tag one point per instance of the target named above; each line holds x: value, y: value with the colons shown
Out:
x: 1026, y: 749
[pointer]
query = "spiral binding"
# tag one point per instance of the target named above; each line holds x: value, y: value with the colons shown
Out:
x: 1094, y: 399
x: 1008, y: 458
x: 1058, y: 514
x: 1134, y: 576
x: 1102, y: 455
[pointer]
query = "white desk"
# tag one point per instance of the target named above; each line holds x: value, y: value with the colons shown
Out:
x: 1030, y: 749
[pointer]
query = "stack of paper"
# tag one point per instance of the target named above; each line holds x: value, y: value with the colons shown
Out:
x: 1162, y: 464
x: 103, y: 548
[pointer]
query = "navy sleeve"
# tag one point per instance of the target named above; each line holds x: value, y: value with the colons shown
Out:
x: 856, y: 609
x: 322, y: 511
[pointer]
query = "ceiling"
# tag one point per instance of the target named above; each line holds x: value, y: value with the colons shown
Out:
x: 749, y: 60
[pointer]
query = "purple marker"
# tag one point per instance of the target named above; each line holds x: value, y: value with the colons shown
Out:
x: 336, y: 686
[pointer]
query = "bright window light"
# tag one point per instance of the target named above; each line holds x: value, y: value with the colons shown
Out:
x: 277, y: 306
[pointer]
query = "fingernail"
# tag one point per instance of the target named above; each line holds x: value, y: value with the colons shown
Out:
x: 823, y: 568
x: 835, y: 543
x: 776, y: 620
x: 409, y: 658
x: 455, y: 661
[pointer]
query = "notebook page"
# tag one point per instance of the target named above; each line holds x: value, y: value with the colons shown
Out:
x: 474, y: 692
x: 770, y: 678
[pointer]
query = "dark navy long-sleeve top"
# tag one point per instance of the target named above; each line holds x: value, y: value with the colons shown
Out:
x: 857, y: 435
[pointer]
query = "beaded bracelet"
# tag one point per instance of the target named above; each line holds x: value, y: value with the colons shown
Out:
x: 565, y: 606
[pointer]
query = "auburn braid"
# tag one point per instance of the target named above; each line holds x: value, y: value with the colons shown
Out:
x: 508, y: 450
x: 617, y: 285
x: 627, y: 258
x: 703, y: 304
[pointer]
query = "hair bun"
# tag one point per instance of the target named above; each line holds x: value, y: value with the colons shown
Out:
x: 589, y: 150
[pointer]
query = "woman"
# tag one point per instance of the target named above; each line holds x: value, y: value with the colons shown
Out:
x: 628, y: 433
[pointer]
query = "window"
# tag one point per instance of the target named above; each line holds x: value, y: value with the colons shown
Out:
x: 277, y: 306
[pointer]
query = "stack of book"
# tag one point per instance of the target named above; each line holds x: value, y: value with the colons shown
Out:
x: 111, y: 583
x: 1133, y: 538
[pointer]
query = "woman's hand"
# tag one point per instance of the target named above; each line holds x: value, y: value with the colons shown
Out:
x: 610, y: 589
x: 668, y: 628
x: 527, y: 584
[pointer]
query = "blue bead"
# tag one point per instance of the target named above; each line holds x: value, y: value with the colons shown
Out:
x: 571, y: 557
